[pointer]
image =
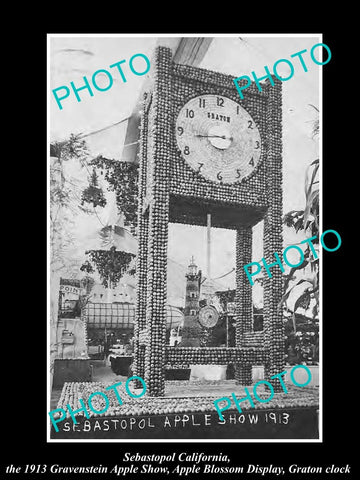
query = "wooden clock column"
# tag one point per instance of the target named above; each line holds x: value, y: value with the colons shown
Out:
x: 243, y: 301
x: 153, y: 228
x: 274, y: 340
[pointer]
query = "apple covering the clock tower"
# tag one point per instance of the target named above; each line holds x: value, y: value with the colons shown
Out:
x: 204, y: 152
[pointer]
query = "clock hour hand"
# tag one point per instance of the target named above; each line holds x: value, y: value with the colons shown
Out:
x: 215, y: 136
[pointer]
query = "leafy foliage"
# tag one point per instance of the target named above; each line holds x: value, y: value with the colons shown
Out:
x: 303, y: 345
x: 63, y: 202
x: 306, y: 220
x: 122, y: 178
x: 316, y: 124
x: 87, y: 267
x: 111, y: 265
x: 73, y: 148
x: 93, y: 193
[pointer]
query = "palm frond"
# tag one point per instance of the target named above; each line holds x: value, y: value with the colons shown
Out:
x: 286, y: 295
x: 303, y: 300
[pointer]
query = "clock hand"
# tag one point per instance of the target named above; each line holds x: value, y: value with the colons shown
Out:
x: 215, y: 136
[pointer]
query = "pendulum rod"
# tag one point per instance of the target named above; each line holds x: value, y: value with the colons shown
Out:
x: 208, y: 250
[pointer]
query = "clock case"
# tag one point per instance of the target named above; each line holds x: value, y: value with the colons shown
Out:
x: 171, y: 191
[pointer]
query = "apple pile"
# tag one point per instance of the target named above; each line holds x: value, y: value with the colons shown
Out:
x: 74, y: 391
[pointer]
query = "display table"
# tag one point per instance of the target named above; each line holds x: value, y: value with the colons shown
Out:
x: 120, y: 364
x: 187, y: 411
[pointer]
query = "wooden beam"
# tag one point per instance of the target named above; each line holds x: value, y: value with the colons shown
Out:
x: 191, y: 51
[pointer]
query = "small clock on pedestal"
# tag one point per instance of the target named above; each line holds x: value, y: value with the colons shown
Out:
x: 208, y: 316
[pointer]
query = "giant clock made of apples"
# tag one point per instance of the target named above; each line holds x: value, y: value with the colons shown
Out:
x: 206, y: 149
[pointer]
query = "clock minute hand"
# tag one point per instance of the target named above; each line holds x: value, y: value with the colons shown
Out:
x: 208, y: 136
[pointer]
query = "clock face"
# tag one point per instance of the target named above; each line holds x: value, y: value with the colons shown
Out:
x: 208, y: 316
x: 218, y: 138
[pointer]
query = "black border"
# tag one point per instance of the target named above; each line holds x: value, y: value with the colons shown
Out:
x: 24, y: 412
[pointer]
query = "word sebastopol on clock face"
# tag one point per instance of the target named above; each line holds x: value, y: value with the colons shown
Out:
x: 218, y: 138
x: 206, y: 152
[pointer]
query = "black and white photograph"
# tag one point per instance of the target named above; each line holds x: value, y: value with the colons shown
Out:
x: 185, y: 237
x: 179, y: 247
